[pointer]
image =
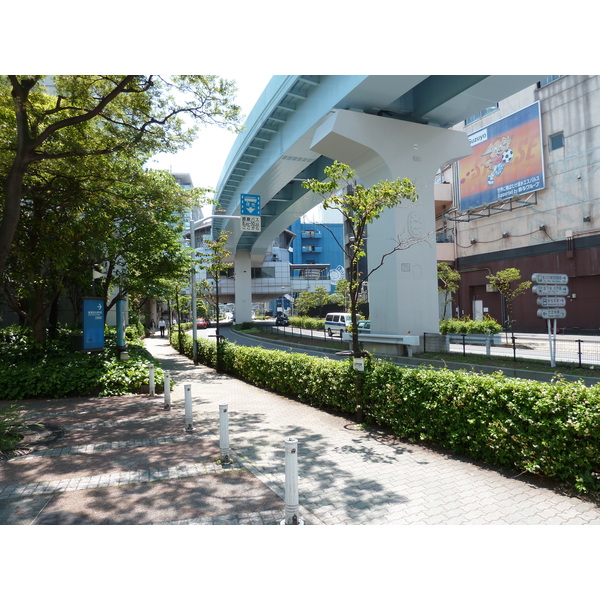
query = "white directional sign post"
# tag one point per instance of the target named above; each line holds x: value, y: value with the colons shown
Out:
x: 551, y: 289
x: 250, y: 213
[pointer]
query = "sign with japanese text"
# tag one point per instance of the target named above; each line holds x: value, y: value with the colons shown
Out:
x: 251, y: 224
x: 550, y: 278
x: 250, y: 205
x: 507, y: 160
x: 93, y: 324
x: 550, y: 290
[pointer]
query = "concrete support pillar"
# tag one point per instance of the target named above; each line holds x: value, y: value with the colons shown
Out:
x: 403, y: 293
x: 243, y: 286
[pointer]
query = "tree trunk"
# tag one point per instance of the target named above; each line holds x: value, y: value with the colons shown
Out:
x: 13, y: 192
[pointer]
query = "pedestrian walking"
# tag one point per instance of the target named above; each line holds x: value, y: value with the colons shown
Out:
x: 161, y: 326
x: 152, y: 326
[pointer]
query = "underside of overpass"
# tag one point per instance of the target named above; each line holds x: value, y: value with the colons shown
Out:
x: 384, y: 126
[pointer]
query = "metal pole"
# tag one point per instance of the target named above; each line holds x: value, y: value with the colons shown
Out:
x: 550, y: 342
x: 187, y: 390
x: 151, y: 379
x: 224, y: 432
x: 194, y: 307
x: 292, y: 506
x: 554, y: 352
x: 167, y: 391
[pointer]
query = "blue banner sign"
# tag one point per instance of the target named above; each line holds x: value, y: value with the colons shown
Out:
x: 250, y: 205
x: 93, y: 324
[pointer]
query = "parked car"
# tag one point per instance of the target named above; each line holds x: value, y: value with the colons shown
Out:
x: 201, y: 323
x: 364, y: 326
x: 282, y: 320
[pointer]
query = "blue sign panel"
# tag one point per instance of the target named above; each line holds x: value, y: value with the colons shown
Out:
x: 93, y: 324
x: 250, y: 205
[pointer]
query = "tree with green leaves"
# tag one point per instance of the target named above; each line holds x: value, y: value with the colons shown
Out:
x: 340, y: 295
x: 507, y: 283
x: 360, y: 207
x: 55, y: 118
x: 102, y: 211
x: 449, y: 282
x: 304, y: 302
x: 214, y: 260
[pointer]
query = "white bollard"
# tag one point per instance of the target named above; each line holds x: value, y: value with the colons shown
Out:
x: 292, y: 505
x: 224, y: 432
x: 187, y: 388
x: 151, y: 379
x: 167, y: 390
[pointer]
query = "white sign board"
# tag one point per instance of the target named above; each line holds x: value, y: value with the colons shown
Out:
x: 550, y: 290
x: 552, y: 313
x: 551, y: 301
x: 550, y: 278
x: 251, y: 224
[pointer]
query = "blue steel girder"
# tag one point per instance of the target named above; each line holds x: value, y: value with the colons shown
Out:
x: 272, y: 155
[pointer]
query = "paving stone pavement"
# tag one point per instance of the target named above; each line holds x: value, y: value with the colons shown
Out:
x: 348, y: 475
x: 128, y: 460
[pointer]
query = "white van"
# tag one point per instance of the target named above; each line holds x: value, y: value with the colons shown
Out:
x: 337, y: 323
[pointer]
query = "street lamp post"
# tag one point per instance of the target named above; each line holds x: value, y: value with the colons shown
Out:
x: 193, y: 225
x: 194, y: 308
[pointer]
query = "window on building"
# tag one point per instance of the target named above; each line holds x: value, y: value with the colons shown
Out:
x: 480, y: 114
x: 548, y: 80
x: 556, y: 141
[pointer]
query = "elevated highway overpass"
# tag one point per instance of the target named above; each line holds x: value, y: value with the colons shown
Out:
x: 385, y: 127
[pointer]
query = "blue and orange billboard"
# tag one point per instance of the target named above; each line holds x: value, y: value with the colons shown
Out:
x: 507, y: 160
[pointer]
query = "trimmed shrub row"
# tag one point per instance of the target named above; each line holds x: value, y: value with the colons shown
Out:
x: 57, y: 371
x: 549, y: 429
x: 465, y: 325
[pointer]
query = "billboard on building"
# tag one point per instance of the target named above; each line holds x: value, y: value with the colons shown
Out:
x: 507, y: 160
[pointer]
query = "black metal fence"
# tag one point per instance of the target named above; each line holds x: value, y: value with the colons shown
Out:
x: 567, y: 349
x: 312, y: 335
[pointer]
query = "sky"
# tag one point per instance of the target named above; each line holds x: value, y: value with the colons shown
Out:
x: 205, y: 159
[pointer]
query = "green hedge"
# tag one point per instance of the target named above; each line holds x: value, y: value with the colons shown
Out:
x: 466, y: 325
x: 550, y: 429
x: 57, y: 371
x: 308, y: 323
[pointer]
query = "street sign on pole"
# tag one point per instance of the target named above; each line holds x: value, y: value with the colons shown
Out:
x: 250, y: 213
x: 550, y: 278
x: 550, y: 290
x: 251, y: 224
x: 250, y: 205
x: 551, y: 313
x: 551, y: 301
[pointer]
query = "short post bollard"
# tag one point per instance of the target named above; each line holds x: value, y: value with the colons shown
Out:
x: 167, y: 391
x: 151, y: 379
x: 187, y: 389
x: 224, y: 432
x: 292, y: 505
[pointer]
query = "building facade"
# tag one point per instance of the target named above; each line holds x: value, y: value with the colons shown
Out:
x: 528, y: 198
